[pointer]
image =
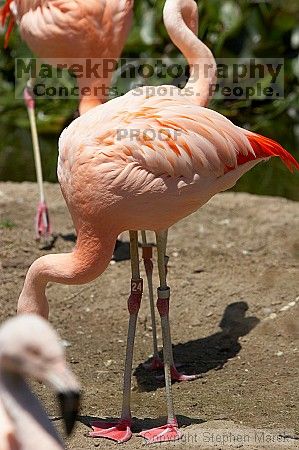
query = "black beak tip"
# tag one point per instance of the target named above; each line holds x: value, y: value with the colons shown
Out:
x: 69, y: 405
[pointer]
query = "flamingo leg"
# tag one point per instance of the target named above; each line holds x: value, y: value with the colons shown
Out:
x: 147, y: 255
x: 156, y: 362
x: 170, y: 431
x: 175, y: 374
x: 120, y: 431
x: 42, y: 226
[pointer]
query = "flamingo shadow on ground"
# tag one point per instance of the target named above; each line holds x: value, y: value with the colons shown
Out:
x: 49, y: 242
x: 142, y: 424
x: 208, y: 353
x: 68, y: 237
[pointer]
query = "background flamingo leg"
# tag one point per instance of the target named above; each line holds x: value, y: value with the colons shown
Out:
x: 42, y: 222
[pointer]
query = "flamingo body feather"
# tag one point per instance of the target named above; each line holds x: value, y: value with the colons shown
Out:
x: 182, y: 155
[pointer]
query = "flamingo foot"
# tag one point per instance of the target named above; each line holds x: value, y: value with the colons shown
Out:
x: 165, y: 433
x: 178, y: 376
x: 116, y: 431
x: 43, y: 227
x: 155, y: 364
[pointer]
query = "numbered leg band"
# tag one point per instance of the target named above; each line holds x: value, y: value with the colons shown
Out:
x: 147, y: 251
x: 135, y: 296
x: 163, y: 301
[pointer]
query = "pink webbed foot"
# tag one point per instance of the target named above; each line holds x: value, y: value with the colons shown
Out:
x: 178, y: 376
x: 116, y: 431
x: 165, y: 433
x: 156, y: 363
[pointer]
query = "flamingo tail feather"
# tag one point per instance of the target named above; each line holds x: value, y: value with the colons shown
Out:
x: 5, y: 13
x: 264, y: 147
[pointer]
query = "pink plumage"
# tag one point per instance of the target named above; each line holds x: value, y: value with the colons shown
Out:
x: 180, y: 156
x: 71, y: 31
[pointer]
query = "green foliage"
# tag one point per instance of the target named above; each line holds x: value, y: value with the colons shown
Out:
x: 232, y: 29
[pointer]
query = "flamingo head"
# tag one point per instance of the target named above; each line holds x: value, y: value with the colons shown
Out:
x: 29, y: 347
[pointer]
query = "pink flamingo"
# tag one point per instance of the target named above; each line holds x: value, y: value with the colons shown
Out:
x: 113, y: 180
x: 69, y: 32
x: 24, y: 424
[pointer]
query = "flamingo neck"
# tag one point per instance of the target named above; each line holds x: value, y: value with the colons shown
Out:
x: 93, y: 92
x: 88, y: 260
x: 24, y: 413
x: 181, y: 22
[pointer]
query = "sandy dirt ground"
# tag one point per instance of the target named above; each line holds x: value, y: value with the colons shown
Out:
x: 234, y: 275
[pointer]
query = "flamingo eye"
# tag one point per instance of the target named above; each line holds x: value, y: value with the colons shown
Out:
x: 33, y: 351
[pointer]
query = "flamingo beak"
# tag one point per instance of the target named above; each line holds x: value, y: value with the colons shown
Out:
x: 65, y: 384
x: 69, y: 405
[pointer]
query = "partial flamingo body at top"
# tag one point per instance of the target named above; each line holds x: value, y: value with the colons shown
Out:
x: 72, y: 31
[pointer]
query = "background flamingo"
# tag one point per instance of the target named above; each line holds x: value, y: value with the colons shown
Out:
x: 69, y: 32
x: 24, y: 424
x: 112, y: 184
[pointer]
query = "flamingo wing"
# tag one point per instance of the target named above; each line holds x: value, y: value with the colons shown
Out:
x: 177, y: 138
x: 165, y: 157
x: 143, y: 139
